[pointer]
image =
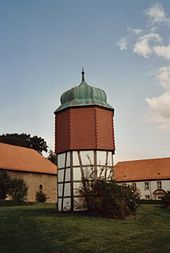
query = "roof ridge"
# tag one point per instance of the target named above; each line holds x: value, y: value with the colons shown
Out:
x: 147, y: 159
x: 24, y: 159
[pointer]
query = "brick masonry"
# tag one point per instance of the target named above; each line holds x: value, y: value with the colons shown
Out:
x: 104, y: 127
x: 83, y: 128
x: 62, y: 131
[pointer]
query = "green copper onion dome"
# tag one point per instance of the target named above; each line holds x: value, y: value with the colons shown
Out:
x: 83, y: 95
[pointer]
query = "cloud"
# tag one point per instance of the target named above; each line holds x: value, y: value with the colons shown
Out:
x: 122, y: 43
x: 163, y: 75
x: 154, y: 29
x: 160, y: 122
x: 143, y: 47
x: 163, y: 51
x: 146, y: 42
x: 156, y: 14
x: 160, y: 106
x: 136, y: 31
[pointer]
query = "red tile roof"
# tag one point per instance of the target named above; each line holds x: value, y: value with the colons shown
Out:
x: 24, y: 159
x: 140, y: 170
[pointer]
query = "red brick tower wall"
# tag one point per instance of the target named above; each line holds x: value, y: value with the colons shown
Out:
x: 104, y: 128
x: 62, y: 131
x: 84, y: 128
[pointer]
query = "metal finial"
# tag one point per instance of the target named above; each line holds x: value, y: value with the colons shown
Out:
x: 83, y: 74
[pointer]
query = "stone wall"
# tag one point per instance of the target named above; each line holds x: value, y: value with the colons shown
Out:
x: 35, y: 181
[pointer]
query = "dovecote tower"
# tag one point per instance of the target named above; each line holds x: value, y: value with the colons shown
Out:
x: 84, y: 140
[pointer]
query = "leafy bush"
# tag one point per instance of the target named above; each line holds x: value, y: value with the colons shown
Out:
x: 40, y: 196
x: 18, y: 190
x: 131, y: 196
x: 107, y: 198
x: 4, y: 184
x: 15, y: 188
x: 113, y: 200
x: 166, y: 199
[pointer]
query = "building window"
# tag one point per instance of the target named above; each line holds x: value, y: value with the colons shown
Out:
x: 146, y: 186
x: 124, y: 184
x: 147, y: 196
x: 40, y: 187
x: 134, y: 185
x: 159, y: 184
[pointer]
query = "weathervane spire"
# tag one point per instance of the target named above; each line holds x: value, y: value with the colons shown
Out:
x: 83, y: 79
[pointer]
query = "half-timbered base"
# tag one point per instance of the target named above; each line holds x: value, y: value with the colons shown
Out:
x: 73, y: 167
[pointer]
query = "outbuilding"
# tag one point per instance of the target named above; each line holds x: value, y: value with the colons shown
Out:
x: 37, y: 171
x: 150, y: 176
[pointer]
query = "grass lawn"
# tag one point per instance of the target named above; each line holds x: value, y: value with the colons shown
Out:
x: 39, y: 229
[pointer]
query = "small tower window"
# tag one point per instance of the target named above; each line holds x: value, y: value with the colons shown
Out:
x: 40, y: 187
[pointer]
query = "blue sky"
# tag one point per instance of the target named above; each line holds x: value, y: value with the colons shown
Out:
x: 124, y: 47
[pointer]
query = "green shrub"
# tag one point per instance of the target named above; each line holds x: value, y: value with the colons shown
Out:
x: 108, y: 199
x: 18, y: 190
x: 131, y: 196
x: 40, y: 196
x: 166, y: 199
x: 4, y: 184
x: 15, y: 188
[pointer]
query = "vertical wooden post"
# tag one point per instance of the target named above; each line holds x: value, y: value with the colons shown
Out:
x: 71, y: 179
x: 83, y: 180
x: 65, y: 164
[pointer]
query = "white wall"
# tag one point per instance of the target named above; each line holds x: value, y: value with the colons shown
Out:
x: 70, y: 174
x: 152, y: 187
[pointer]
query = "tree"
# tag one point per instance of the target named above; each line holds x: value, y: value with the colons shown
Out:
x: 132, y: 196
x: 166, y: 200
x: 4, y: 184
x: 25, y: 140
x: 52, y: 157
x: 107, y: 198
x: 38, y: 144
x: 15, y: 188
x: 18, y: 190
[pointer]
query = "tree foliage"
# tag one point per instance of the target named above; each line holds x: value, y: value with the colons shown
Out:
x: 166, y: 199
x: 40, y: 196
x: 18, y: 190
x: 107, y: 198
x: 4, y: 184
x: 13, y: 187
x: 25, y: 140
x: 52, y: 157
